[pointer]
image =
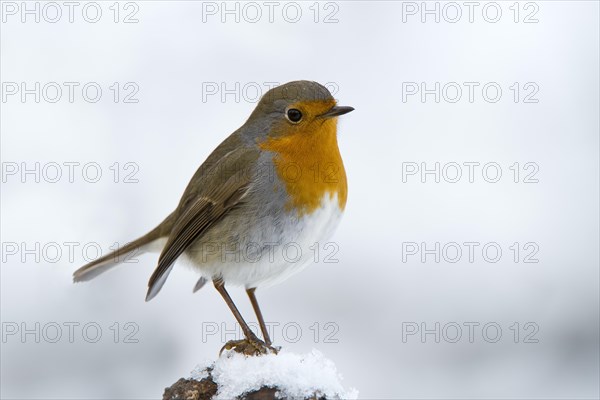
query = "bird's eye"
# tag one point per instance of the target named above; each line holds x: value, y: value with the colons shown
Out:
x: 294, y: 115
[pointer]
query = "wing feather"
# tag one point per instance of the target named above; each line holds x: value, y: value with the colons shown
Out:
x: 202, y: 212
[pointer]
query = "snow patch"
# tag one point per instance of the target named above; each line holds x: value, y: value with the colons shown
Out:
x: 199, y: 373
x: 295, y: 375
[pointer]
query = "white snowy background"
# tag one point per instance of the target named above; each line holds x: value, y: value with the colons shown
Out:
x: 358, y: 311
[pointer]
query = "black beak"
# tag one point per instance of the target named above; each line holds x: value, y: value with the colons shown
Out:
x: 337, y: 111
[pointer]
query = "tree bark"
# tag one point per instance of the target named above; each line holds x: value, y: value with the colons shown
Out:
x: 190, y: 389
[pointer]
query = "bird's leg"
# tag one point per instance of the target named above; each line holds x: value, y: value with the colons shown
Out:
x: 251, y: 345
x: 259, y: 316
x: 220, y: 286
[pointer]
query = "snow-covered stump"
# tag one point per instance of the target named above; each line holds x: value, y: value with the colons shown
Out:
x: 285, y: 375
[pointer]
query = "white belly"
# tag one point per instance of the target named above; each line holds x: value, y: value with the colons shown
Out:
x: 281, y: 256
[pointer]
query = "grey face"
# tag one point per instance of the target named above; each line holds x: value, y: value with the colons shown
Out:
x: 278, y: 99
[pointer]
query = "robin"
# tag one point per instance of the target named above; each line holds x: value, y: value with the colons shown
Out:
x: 250, y: 213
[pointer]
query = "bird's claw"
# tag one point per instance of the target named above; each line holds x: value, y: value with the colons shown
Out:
x: 250, y: 347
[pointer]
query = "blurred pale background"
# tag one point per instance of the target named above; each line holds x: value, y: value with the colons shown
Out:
x: 378, y: 292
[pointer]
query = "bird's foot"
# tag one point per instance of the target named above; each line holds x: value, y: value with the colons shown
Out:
x: 250, y: 347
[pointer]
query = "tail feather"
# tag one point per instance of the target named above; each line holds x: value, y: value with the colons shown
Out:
x: 140, y: 245
x: 200, y: 284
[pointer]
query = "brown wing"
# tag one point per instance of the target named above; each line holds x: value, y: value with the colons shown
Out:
x: 201, y: 212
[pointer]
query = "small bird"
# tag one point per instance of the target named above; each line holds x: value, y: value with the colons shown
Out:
x: 252, y: 211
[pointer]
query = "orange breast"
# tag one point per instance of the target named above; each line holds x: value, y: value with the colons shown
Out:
x: 310, y: 165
